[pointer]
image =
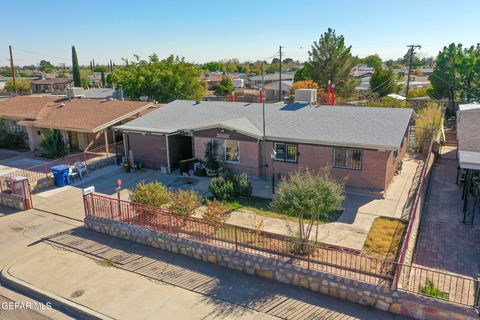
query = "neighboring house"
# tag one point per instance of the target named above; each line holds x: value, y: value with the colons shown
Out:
x: 93, y: 93
x: 54, y: 86
x: 4, y: 80
x: 256, y: 81
x: 363, y: 144
x: 212, y: 80
x: 86, y: 122
x: 271, y: 90
x: 468, y: 133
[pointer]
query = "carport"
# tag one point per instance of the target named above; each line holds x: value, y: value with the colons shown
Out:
x: 468, y: 134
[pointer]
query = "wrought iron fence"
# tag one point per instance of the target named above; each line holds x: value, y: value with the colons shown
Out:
x: 336, y: 260
x: 42, y: 171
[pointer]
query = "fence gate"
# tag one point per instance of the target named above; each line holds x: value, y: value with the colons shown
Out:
x: 27, y: 194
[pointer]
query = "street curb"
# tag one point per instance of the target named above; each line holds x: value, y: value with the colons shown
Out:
x: 77, y: 310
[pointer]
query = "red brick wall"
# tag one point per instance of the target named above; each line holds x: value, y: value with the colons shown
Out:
x: 150, y: 149
x: 392, y: 163
x: 249, y: 156
x: 372, y: 174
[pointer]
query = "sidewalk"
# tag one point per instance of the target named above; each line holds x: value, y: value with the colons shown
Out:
x: 124, y: 280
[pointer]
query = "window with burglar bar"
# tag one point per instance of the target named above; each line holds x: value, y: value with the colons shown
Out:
x: 347, y: 158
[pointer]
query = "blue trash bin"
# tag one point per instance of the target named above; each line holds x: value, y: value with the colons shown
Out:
x: 60, y: 175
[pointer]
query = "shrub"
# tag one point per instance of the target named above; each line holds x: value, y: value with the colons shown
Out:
x: 54, y: 144
x: 220, y: 188
x: 184, y: 203
x: 242, y: 186
x: 211, y: 155
x: 153, y: 193
x: 307, y: 194
x: 432, y: 291
x: 216, y: 212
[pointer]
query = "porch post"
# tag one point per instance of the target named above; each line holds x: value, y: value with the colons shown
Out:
x: 106, y: 140
x: 168, y: 154
x: 125, y: 145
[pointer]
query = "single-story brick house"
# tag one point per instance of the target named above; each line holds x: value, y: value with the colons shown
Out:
x: 363, y: 144
x: 86, y: 122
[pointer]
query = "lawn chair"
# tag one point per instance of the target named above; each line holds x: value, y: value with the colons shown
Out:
x: 81, y: 168
x: 73, y: 173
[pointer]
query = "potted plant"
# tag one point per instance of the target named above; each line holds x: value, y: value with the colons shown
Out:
x: 211, y: 158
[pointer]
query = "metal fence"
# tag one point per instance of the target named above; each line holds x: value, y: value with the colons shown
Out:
x: 339, y: 261
x: 42, y: 171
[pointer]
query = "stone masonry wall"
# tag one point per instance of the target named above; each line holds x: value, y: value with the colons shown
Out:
x: 12, y: 201
x: 383, y: 298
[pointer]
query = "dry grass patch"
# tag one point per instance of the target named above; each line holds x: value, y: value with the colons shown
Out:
x: 384, y: 238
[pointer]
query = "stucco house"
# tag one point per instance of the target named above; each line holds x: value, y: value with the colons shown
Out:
x: 86, y: 122
x: 51, y: 85
x: 363, y: 144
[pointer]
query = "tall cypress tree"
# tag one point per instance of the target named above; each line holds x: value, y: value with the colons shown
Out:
x: 75, y: 69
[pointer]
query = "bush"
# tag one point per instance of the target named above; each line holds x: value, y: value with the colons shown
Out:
x: 184, y: 203
x: 242, y: 186
x: 216, y: 212
x: 220, y: 188
x: 211, y: 155
x: 54, y: 144
x: 153, y: 193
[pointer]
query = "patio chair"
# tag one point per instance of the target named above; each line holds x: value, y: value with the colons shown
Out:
x: 81, y: 168
x: 73, y: 173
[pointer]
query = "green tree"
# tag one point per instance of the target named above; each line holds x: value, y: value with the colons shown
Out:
x: 23, y: 86
x: 383, y: 81
x: 389, y: 102
x: 163, y: 80
x: 85, y: 77
x: 213, y: 66
x: 372, y: 61
x: 308, y: 195
x: 303, y: 73
x: 46, y: 66
x: 77, y: 82
x: 469, y: 73
x: 444, y: 78
x: 331, y: 59
x: 225, y: 87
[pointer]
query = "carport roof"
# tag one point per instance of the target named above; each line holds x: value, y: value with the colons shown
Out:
x: 349, y: 126
x: 468, y: 126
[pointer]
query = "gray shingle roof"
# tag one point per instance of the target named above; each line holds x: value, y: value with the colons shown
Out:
x: 380, y: 128
x: 468, y: 126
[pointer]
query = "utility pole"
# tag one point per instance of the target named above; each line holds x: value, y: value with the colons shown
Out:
x: 14, y: 81
x: 280, y: 77
x: 263, y: 120
x: 412, y: 49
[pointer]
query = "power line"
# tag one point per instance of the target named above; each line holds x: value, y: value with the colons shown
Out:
x: 412, y: 50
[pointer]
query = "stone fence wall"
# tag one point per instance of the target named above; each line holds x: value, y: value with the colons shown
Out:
x: 12, y: 201
x: 380, y: 297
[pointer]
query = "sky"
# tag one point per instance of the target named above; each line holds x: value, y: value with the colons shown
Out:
x: 203, y: 30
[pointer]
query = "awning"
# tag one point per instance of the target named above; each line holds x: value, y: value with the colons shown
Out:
x: 469, y: 160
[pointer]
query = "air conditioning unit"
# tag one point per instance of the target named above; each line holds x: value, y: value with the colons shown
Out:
x: 308, y: 96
